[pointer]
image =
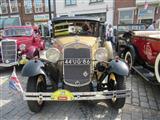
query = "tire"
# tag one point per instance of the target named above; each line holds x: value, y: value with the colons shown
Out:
x: 36, y: 84
x: 121, y: 85
x: 129, y: 59
x: 157, y: 68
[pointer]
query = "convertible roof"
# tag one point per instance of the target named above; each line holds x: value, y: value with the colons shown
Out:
x: 76, y: 18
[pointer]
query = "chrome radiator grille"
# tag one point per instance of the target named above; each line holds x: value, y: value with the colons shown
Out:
x: 77, y: 66
x: 9, y: 51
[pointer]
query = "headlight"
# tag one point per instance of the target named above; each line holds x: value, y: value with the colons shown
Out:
x: 101, y: 54
x: 22, y: 47
x: 53, y: 55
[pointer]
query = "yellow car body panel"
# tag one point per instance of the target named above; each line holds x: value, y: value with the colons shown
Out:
x: 87, y: 40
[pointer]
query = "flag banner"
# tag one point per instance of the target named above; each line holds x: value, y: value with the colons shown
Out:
x: 146, y: 5
x: 14, y: 82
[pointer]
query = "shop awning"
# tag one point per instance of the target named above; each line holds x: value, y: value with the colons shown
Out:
x: 12, y: 22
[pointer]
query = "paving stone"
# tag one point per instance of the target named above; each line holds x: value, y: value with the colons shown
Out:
x: 136, y: 116
x: 143, y: 94
x: 144, y: 104
x: 126, y: 116
x: 129, y: 100
x: 143, y: 99
x: 135, y: 94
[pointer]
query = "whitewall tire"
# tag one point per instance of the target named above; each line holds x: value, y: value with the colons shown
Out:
x: 129, y: 59
x: 157, y: 68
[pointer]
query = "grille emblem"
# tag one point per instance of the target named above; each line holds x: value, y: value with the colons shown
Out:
x: 85, y: 73
x: 7, y: 61
x: 76, y: 46
x: 77, y: 83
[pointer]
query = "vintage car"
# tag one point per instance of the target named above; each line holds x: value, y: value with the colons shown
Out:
x: 123, y: 34
x: 19, y: 44
x: 76, y: 67
x: 143, y: 54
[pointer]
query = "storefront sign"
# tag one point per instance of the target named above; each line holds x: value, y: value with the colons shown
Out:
x: 41, y: 18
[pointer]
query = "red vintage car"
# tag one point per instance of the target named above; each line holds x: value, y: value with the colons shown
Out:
x: 143, y: 54
x: 19, y: 44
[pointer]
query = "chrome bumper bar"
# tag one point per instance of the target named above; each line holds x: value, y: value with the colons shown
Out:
x: 46, y: 96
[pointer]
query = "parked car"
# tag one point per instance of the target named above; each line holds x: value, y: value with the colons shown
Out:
x: 124, y: 32
x: 76, y: 67
x: 144, y: 51
x: 19, y: 44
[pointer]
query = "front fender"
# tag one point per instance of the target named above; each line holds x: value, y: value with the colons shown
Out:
x: 30, y: 51
x: 33, y: 68
x: 119, y: 67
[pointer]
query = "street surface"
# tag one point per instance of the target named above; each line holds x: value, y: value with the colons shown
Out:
x: 144, y: 104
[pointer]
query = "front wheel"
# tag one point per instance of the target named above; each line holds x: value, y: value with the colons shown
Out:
x: 129, y: 59
x: 36, y: 84
x: 117, y: 84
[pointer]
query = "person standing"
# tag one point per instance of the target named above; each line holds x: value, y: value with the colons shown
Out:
x: 152, y: 26
x: 110, y: 34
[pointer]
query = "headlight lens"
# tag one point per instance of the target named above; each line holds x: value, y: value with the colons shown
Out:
x: 22, y: 47
x: 101, y: 55
x: 53, y: 55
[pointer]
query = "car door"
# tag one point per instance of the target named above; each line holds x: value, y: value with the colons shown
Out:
x: 152, y: 48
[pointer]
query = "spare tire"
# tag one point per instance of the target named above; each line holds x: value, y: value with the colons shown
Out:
x: 157, y: 68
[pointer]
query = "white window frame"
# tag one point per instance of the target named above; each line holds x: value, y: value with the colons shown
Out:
x: 70, y: 3
x: 6, y: 6
x: 96, y: 1
x: 26, y: 7
x: 38, y: 9
x: 11, y: 7
x: 126, y: 9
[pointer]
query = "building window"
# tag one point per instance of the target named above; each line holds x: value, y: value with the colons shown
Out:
x: 95, y: 1
x: 28, y: 6
x: 70, y: 2
x: 38, y: 6
x: 13, y: 6
x: 126, y: 16
x: 3, y: 7
x: 46, y: 6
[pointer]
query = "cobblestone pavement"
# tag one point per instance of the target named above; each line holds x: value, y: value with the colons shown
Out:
x: 144, y: 104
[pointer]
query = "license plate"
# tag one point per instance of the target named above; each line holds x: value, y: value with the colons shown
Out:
x: 77, y: 61
x: 62, y: 95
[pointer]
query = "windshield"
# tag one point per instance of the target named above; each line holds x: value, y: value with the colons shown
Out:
x: 66, y: 28
x: 14, y: 32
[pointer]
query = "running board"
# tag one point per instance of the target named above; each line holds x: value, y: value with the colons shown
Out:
x: 146, y: 74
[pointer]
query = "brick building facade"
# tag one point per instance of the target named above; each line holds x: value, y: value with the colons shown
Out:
x: 24, y: 12
x: 134, y: 11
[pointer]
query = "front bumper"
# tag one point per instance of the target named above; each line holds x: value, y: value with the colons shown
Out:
x: 21, y: 62
x: 77, y: 96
